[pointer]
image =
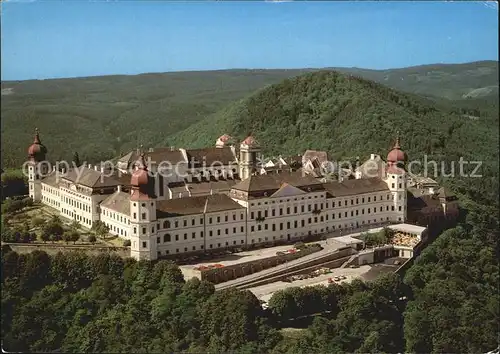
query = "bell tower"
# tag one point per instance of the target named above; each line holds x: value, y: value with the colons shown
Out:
x: 397, y: 181
x: 142, y: 213
x: 37, y: 167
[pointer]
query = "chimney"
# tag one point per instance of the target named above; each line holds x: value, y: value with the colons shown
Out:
x: 119, y: 188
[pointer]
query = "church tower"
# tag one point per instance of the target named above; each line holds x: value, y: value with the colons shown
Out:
x: 37, y: 167
x: 397, y: 181
x: 249, y: 157
x: 142, y: 213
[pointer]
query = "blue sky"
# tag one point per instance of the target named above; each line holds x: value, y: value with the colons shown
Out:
x: 50, y: 39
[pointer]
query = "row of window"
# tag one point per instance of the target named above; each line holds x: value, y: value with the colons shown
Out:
x: 167, y: 224
x: 53, y: 191
x: 76, y: 204
x: 117, y: 230
x: 77, y: 217
x: 115, y: 216
x: 50, y: 201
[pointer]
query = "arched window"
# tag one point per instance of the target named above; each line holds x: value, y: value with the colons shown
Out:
x: 166, y: 224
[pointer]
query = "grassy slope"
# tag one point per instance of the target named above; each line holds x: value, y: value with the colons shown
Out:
x: 104, y: 116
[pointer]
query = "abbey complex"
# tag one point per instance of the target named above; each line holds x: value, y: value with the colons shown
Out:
x: 170, y: 201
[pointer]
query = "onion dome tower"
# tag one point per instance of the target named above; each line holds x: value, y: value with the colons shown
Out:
x: 396, y: 179
x: 397, y: 157
x: 37, y: 167
x: 37, y: 151
x: 141, y: 182
x: 143, y: 230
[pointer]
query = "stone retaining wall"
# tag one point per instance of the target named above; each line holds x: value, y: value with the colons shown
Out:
x: 219, y: 275
x: 52, y: 249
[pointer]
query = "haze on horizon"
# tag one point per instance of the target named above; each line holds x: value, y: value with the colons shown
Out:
x: 46, y: 39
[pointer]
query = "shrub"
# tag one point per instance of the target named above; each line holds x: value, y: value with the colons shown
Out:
x: 126, y: 243
x: 92, y: 239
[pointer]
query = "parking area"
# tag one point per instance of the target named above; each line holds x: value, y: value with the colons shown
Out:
x: 265, y: 292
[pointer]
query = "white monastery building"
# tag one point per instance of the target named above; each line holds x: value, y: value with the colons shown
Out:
x: 170, y: 201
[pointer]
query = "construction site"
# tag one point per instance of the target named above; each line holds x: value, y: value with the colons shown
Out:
x: 333, y: 259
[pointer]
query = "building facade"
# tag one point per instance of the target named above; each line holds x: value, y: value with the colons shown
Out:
x: 217, y: 198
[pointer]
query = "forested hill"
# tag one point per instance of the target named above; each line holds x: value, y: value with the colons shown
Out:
x: 451, y: 81
x: 349, y: 117
x: 346, y: 116
x: 103, y: 116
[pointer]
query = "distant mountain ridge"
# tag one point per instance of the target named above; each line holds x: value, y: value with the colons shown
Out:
x: 104, y: 116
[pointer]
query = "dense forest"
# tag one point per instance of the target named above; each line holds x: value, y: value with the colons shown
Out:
x: 447, y: 303
x: 105, y: 116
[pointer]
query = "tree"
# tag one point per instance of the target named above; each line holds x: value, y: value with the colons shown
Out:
x: 76, y: 160
x: 53, y: 228
x: 45, y: 236
x: 126, y: 243
x: 75, y: 225
x: 92, y: 239
x: 74, y: 236
x: 66, y: 236
x: 100, y: 229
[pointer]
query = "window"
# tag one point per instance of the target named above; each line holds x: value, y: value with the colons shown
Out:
x: 135, y: 215
x: 209, y: 220
x: 281, y: 211
x: 177, y: 237
x: 281, y: 226
x: 176, y: 224
x: 227, y: 231
x: 158, y: 240
x: 252, y: 228
x: 201, y: 221
x: 192, y: 222
x: 185, y: 236
x: 251, y: 215
x: 392, y: 185
x: 144, y: 244
x: 143, y: 230
x: 185, y: 223
x: 166, y: 238
x: 272, y: 212
x: 143, y: 216
x: 301, y: 208
x: 288, y: 210
x: 166, y: 224
x: 242, y: 229
x: 218, y: 219
x: 210, y: 233
x: 218, y: 232
x: 193, y: 235
x: 234, y: 230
